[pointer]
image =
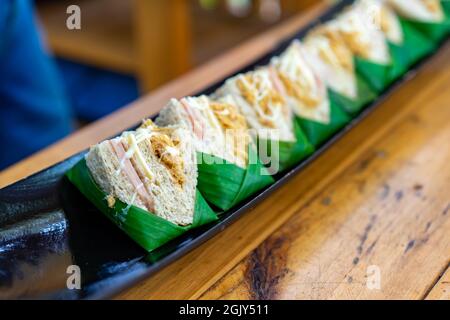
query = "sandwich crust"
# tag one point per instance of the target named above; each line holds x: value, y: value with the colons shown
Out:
x: 151, y: 168
x: 306, y: 93
x: 360, y: 34
x: 331, y: 59
x: 260, y: 97
x: 217, y: 127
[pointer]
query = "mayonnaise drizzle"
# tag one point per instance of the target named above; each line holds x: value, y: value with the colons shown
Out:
x: 133, y: 140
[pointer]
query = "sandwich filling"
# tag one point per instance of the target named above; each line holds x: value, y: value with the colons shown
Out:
x: 236, y: 131
x: 361, y: 36
x: 260, y: 97
x: 165, y: 148
x: 332, y: 60
x: 305, y: 91
x: 218, y: 128
x: 421, y: 10
x: 264, y: 99
x: 382, y: 17
x: 133, y: 172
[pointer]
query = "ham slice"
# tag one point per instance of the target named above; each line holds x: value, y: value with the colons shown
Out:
x: 197, y: 126
x: 276, y: 81
x: 132, y: 174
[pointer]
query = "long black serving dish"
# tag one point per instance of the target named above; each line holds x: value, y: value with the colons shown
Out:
x: 47, y: 226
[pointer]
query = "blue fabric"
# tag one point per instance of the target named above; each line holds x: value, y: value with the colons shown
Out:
x: 33, y: 109
x: 93, y: 92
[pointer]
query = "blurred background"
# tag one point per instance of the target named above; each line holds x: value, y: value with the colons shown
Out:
x: 125, y: 48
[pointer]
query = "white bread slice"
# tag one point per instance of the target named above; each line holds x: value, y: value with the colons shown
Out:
x: 306, y: 92
x: 207, y: 133
x: 360, y: 34
x: 210, y: 133
x: 252, y: 92
x: 383, y: 17
x: 104, y: 166
x: 421, y: 10
x: 170, y: 200
x: 332, y: 60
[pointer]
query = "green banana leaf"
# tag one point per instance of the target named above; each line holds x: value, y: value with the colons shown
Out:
x: 415, y: 46
x: 288, y: 154
x: 225, y: 184
x: 376, y: 75
x: 145, y: 228
x: 400, y: 60
x: 436, y: 32
x: 446, y: 6
x: 354, y: 106
x: 317, y: 133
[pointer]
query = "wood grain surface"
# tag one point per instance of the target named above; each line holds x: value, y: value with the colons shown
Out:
x: 376, y: 201
x: 441, y: 290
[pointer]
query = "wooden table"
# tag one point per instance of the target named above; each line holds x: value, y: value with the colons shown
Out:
x: 376, y: 200
x: 121, y: 35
